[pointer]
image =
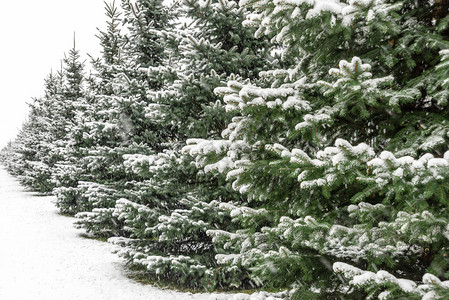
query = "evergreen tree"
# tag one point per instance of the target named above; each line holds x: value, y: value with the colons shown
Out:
x: 70, y: 104
x: 323, y: 172
x: 96, y: 126
x: 73, y: 71
x: 34, y: 147
x: 118, y: 125
x: 42, y: 147
x: 144, y: 18
x: 168, y: 213
x: 26, y: 162
x: 342, y: 153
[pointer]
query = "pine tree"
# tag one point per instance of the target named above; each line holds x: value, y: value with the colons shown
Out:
x: 95, y: 131
x: 26, y: 162
x: 69, y: 105
x: 106, y: 67
x: 33, y: 155
x: 144, y: 19
x: 322, y: 172
x: 118, y: 125
x: 73, y: 71
x: 342, y: 153
x: 168, y: 213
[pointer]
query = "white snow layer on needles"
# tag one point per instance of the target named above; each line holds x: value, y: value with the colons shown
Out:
x: 360, y: 277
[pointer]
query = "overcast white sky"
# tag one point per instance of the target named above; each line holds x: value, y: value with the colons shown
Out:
x: 34, y: 37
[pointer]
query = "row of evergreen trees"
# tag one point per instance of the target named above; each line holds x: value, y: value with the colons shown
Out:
x: 282, y: 145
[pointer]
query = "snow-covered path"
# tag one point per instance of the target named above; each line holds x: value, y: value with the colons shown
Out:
x: 42, y: 256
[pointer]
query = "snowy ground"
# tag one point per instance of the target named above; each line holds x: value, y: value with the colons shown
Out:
x: 42, y: 256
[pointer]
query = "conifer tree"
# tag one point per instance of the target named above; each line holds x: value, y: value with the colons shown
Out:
x: 342, y: 153
x: 96, y: 122
x: 42, y: 147
x: 71, y: 103
x: 118, y: 125
x: 27, y: 162
x: 168, y: 214
x: 73, y: 71
x: 33, y: 149
x: 323, y: 171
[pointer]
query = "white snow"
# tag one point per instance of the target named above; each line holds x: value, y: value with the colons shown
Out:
x: 43, y: 257
x: 399, y: 172
x: 437, y: 162
x: 346, y: 269
x: 364, y: 278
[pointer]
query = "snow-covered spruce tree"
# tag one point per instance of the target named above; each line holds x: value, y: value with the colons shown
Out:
x: 36, y: 157
x: 23, y: 155
x: 143, y: 19
x: 343, y: 154
x: 73, y: 103
x: 9, y: 157
x: 169, y: 213
x: 96, y: 128
x: 31, y: 153
x: 50, y: 119
x: 119, y: 126
x: 109, y: 124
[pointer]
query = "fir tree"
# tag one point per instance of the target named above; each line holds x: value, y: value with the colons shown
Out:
x: 342, y: 154
x: 323, y: 171
x: 95, y: 130
x: 168, y: 214
x: 118, y: 125
x: 34, y: 147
